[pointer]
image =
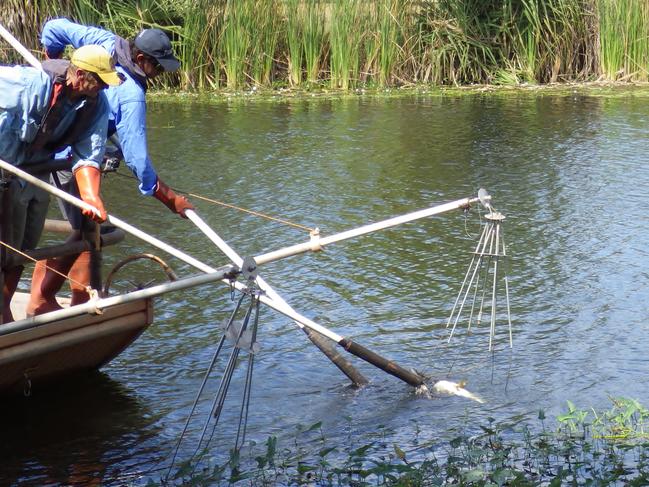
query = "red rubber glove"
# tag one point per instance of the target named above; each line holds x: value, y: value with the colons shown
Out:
x: 175, y: 202
x: 89, y: 180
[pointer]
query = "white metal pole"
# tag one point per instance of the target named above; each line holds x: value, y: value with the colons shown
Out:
x: 95, y: 305
x: 279, y: 304
x: 317, y: 243
x: 19, y: 47
x: 271, y: 299
x: 284, y: 309
x: 408, y: 376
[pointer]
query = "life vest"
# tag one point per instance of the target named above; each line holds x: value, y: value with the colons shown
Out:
x: 45, y: 139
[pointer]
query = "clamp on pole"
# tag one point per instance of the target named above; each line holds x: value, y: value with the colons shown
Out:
x: 485, y: 199
x: 314, y: 239
x: 249, y: 268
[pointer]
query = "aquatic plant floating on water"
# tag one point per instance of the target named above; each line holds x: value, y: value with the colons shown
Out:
x: 481, y: 281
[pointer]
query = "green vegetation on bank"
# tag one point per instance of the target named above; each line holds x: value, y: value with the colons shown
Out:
x: 586, y: 448
x: 347, y: 44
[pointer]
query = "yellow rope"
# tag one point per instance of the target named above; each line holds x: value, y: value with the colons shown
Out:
x: 227, y: 205
x: 252, y: 212
x: 87, y: 288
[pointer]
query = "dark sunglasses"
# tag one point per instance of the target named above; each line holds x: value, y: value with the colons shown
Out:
x: 156, y: 65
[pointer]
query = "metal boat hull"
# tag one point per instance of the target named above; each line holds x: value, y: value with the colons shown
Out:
x: 53, y: 349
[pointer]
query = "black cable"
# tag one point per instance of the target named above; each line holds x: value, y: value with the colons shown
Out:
x: 204, y: 382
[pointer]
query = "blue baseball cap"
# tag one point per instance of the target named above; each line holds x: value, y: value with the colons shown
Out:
x: 155, y: 43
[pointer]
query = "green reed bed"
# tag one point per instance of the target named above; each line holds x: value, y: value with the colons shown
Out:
x: 624, y: 34
x: 266, y: 23
x: 344, y: 44
x: 345, y: 40
x: 294, y: 36
x: 453, y: 47
x: 574, y: 55
x: 313, y: 38
x: 235, y: 41
x: 200, y: 45
x: 532, y: 39
x: 383, y: 38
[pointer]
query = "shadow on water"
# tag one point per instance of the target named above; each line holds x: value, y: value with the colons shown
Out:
x: 74, y: 433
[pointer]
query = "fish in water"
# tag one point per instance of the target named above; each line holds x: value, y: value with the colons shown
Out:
x: 454, y: 389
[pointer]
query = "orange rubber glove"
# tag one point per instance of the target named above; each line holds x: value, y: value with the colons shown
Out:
x: 88, y: 180
x: 175, y: 202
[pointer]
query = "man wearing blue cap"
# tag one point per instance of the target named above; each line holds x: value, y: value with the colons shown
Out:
x: 147, y: 56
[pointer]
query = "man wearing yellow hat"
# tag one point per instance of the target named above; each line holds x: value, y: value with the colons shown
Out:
x: 41, y: 112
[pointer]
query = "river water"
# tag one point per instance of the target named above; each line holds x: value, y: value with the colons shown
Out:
x: 568, y: 171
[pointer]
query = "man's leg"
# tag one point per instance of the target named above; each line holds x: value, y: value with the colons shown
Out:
x: 49, y: 275
x: 6, y: 219
x: 28, y: 209
x: 80, y: 278
x: 17, y: 214
x: 81, y: 271
x: 47, y: 279
x: 11, y: 279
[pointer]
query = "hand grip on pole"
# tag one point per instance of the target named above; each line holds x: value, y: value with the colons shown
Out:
x: 111, y: 219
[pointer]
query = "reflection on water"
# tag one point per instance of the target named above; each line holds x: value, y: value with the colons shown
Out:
x: 569, y: 172
x: 88, y: 431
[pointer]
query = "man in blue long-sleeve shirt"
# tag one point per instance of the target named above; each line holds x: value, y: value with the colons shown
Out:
x: 41, y: 112
x: 148, y: 55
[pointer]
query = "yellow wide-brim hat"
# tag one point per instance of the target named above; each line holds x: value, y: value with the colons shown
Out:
x: 97, y: 60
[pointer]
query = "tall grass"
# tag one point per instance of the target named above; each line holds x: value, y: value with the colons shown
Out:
x: 454, y: 42
x: 383, y: 24
x: 199, y: 51
x: 345, y: 40
x: 313, y: 38
x: 265, y: 32
x: 24, y: 19
x: 390, y: 26
x: 85, y: 12
x: 624, y: 34
x: 236, y: 40
x: 552, y: 40
x: 294, y: 36
x: 346, y: 43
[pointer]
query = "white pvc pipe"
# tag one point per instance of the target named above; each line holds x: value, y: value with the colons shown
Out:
x: 280, y: 306
x: 316, y: 244
x: 19, y: 47
x: 160, y: 244
x: 96, y: 305
x: 284, y: 309
x: 271, y: 298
